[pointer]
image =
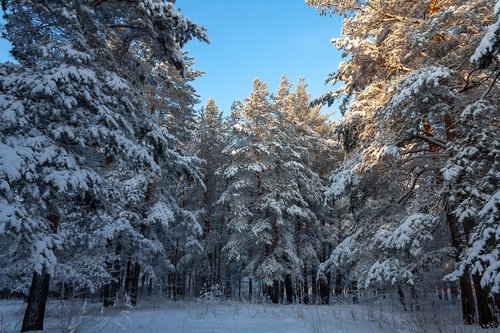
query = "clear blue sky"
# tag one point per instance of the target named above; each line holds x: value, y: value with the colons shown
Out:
x: 256, y: 38
x: 260, y: 38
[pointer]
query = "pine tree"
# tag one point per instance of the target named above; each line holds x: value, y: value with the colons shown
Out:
x: 76, y: 127
x: 406, y: 83
x: 213, y: 137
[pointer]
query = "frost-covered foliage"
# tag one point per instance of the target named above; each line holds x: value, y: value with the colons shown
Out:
x: 418, y: 115
x: 275, y: 186
x: 81, y: 142
x: 474, y: 182
x: 489, y: 47
x: 213, y: 136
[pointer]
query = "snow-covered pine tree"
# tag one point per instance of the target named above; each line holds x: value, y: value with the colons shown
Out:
x: 307, y: 156
x: 472, y: 174
x: 405, y: 85
x: 73, y: 115
x: 279, y: 225
x: 213, y: 137
x: 181, y: 178
x: 249, y: 185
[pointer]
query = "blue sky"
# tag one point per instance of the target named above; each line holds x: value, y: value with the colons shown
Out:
x: 260, y: 38
x: 256, y: 38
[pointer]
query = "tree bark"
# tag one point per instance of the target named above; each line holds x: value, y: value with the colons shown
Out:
x: 354, y: 291
x: 402, y: 300
x: 486, y: 318
x: 414, y: 299
x: 466, y: 294
x: 484, y: 302
x: 250, y: 289
x: 276, y: 292
x: 289, y: 289
x: 305, y: 295
x: 150, y: 287
x: 227, y: 287
x: 314, y: 287
x: 338, y: 285
x: 324, y: 289
x: 135, y: 283
x: 128, y: 276
x: 37, y: 301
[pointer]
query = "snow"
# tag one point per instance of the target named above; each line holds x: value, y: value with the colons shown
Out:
x: 161, y: 213
x: 451, y: 172
x: 343, y: 177
x: 388, y: 151
x: 43, y: 254
x: 221, y: 317
x: 491, y: 205
x: 421, y: 79
x: 10, y: 162
x: 487, y: 44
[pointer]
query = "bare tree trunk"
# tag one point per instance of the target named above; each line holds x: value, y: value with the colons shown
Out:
x: 466, y: 294
x: 128, y: 276
x: 338, y: 285
x: 37, y: 301
x: 484, y: 302
x: 354, y: 291
x: 39, y: 292
x: 486, y: 318
x: 324, y: 289
x: 250, y: 289
x: 467, y: 297
x: 289, y: 289
x: 305, y: 296
x: 275, y: 292
x: 135, y: 283
x: 454, y: 291
x: 414, y: 299
x: 402, y: 300
x: 150, y: 287
x: 314, y: 287
x: 227, y: 288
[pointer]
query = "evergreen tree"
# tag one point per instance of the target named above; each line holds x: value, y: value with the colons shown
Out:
x: 405, y: 85
x: 213, y: 137
x: 76, y: 128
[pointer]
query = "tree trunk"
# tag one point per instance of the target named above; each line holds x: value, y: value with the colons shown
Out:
x: 37, y: 301
x: 414, y: 299
x: 289, y: 289
x: 314, y: 287
x: 354, y: 292
x: 484, y: 302
x: 305, y: 295
x: 273, y: 292
x: 486, y: 318
x: 454, y: 291
x: 338, y: 285
x: 324, y: 289
x: 128, y: 276
x: 227, y: 288
x: 135, y: 283
x: 150, y: 287
x: 402, y: 300
x: 466, y: 294
x: 250, y: 289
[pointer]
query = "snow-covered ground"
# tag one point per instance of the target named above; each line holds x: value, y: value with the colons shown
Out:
x: 222, y: 317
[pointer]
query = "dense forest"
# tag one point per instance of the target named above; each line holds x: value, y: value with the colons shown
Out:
x: 113, y: 186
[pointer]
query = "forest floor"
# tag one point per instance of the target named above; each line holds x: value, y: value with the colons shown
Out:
x: 221, y: 317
